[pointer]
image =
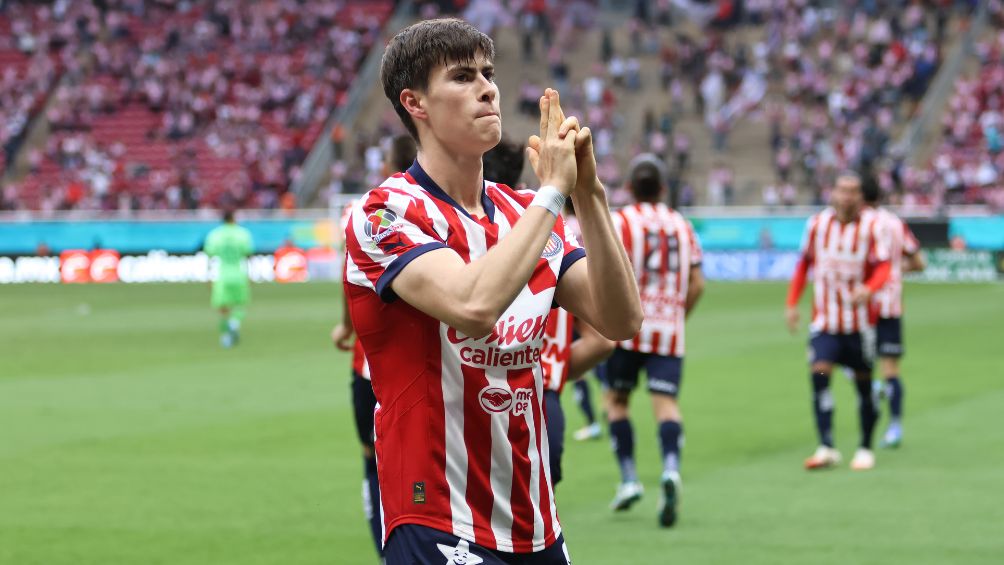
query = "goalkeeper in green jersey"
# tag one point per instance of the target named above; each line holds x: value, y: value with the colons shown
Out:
x: 232, y: 244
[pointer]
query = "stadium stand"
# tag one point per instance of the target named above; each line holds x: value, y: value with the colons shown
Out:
x: 191, y: 104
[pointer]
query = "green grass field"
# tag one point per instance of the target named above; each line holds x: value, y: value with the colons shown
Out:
x: 127, y: 436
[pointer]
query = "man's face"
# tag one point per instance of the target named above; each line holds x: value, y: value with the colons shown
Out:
x: 462, y: 102
x: 847, y: 199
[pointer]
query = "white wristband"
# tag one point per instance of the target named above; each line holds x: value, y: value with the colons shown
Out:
x: 549, y: 198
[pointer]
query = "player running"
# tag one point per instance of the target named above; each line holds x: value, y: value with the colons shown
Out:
x: 845, y: 247
x: 231, y: 290
x: 399, y: 158
x: 905, y: 256
x: 450, y: 278
x: 666, y: 257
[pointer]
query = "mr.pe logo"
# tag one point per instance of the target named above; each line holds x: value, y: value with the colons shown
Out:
x: 496, y: 400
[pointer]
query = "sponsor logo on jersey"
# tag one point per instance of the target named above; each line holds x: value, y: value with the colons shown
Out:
x: 380, y: 225
x: 553, y: 247
x: 512, y: 343
x: 496, y: 400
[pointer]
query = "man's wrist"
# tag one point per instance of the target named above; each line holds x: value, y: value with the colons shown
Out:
x: 550, y: 198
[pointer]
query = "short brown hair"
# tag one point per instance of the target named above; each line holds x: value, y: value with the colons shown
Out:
x: 645, y: 182
x: 418, y: 48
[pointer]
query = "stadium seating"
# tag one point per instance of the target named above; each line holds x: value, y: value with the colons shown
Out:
x: 220, y: 100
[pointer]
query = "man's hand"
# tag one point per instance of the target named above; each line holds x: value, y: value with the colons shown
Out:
x: 341, y: 336
x: 791, y: 317
x: 861, y: 295
x: 552, y: 154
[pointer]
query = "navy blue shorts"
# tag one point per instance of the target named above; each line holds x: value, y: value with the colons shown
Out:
x: 850, y: 350
x: 555, y: 432
x: 889, y: 337
x: 411, y: 544
x: 363, y: 404
x: 621, y: 371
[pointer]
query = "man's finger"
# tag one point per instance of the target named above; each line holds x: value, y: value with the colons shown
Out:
x: 533, y: 157
x: 583, y: 139
x: 534, y: 142
x: 569, y: 124
x: 554, y: 113
x: 544, y: 113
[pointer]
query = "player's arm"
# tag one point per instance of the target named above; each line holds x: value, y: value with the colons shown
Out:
x: 472, y: 296
x: 799, y: 277
x: 341, y: 334
x: 695, y: 288
x: 915, y: 262
x: 600, y: 289
x: 588, y: 351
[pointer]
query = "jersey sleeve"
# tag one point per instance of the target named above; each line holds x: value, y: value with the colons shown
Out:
x: 808, y: 245
x: 385, y: 232
x: 211, y: 246
x: 573, y: 251
x: 696, y: 253
x: 880, y: 241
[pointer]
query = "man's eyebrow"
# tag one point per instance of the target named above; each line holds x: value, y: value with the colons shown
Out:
x: 469, y: 68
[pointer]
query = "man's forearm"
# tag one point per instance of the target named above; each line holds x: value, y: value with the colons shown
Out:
x: 611, y: 278
x: 471, y: 297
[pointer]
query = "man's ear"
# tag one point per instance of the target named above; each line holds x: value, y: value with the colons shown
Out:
x: 414, y: 102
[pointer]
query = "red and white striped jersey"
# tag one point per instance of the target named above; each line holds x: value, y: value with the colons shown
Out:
x: 461, y: 440
x: 556, y: 355
x: 663, y: 248
x: 359, y: 364
x: 842, y: 256
x: 902, y: 242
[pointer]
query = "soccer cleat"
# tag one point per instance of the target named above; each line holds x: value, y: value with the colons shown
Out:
x: 864, y: 460
x: 627, y: 495
x: 592, y: 431
x: 226, y: 340
x: 671, y: 486
x: 824, y: 458
x: 893, y: 437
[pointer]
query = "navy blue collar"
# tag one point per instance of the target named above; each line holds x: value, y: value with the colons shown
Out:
x: 425, y: 181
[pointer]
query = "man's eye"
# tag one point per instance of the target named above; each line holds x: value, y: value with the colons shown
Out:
x: 490, y: 77
x: 463, y: 78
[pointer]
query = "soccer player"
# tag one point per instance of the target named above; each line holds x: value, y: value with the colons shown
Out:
x: 231, y: 291
x: 846, y: 249
x: 571, y: 347
x: 399, y: 158
x: 450, y: 278
x: 905, y: 256
x: 666, y: 258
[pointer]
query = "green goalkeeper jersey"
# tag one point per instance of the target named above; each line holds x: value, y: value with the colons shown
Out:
x: 232, y: 244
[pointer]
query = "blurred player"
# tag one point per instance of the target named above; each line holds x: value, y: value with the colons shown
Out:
x: 449, y: 295
x: 905, y: 256
x: 666, y: 256
x: 399, y: 158
x: 571, y: 347
x: 580, y: 385
x: 231, y: 291
x: 845, y: 247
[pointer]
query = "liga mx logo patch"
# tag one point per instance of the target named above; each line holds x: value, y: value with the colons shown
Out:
x: 553, y: 247
x: 380, y: 224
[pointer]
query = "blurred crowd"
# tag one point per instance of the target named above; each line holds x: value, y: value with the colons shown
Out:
x: 230, y: 95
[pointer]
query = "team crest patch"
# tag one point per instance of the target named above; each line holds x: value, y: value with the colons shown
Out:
x: 553, y: 247
x: 380, y: 224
